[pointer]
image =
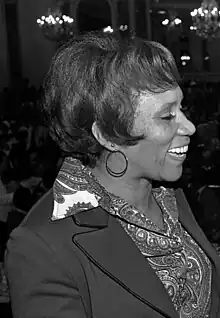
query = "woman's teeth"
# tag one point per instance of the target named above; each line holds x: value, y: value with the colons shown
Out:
x: 180, y: 152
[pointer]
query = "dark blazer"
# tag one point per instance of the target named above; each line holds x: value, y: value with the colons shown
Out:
x: 87, y: 266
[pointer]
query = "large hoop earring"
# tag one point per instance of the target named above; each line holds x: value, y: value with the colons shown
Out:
x: 114, y: 173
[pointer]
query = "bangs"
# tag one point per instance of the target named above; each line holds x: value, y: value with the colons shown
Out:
x: 151, y: 67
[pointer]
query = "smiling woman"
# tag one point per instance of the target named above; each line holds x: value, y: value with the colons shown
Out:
x: 104, y: 242
x: 167, y: 130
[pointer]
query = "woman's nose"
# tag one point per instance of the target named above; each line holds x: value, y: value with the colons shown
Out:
x: 186, y: 126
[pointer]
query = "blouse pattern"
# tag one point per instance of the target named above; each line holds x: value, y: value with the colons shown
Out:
x: 179, y: 262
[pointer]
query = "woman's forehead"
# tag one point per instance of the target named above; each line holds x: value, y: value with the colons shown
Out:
x: 158, y: 100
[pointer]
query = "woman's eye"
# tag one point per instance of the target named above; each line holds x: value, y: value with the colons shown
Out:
x: 169, y: 116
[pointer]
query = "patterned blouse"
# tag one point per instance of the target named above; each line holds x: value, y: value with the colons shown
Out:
x: 178, y: 261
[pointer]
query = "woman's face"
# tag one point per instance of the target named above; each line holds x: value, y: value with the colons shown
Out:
x: 161, y: 154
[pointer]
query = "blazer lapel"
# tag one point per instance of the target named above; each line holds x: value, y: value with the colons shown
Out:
x: 190, y: 224
x: 113, y: 251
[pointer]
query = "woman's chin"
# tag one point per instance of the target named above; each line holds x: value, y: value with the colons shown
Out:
x: 172, y: 175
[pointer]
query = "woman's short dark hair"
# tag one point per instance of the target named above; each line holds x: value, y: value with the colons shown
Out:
x: 98, y: 77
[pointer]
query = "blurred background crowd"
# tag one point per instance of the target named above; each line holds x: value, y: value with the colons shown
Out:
x: 29, y: 159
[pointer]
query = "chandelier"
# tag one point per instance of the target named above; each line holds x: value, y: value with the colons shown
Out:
x: 172, y: 22
x: 206, y: 19
x: 56, y: 26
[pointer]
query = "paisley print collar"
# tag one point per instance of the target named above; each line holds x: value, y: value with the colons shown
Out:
x: 76, y: 189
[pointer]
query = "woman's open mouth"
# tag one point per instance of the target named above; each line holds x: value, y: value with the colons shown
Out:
x: 178, y: 153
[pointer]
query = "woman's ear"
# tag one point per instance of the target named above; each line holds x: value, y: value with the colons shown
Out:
x: 101, y: 139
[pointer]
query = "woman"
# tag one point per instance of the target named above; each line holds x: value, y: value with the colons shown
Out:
x: 106, y: 242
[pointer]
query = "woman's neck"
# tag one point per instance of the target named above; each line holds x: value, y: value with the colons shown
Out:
x: 135, y: 191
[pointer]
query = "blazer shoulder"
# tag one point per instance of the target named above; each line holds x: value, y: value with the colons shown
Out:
x: 39, y: 221
x: 41, y: 212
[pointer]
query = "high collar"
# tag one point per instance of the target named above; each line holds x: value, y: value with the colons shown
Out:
x: 76, y: 189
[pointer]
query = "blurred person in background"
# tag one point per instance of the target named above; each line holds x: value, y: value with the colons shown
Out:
x: 5, y: 205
